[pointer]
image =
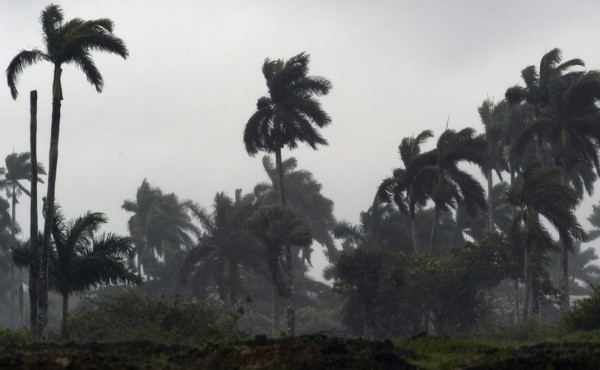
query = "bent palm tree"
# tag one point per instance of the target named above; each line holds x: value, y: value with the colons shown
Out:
x: 69, y: 42
x: 284, y: 118
x: 407, y: 187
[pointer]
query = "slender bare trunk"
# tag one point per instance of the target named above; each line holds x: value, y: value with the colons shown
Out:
x: 433, y: 229
x: 64, y: 331
x: 413, y: 231
x: 13, y: 226
x: 49, y: 205
x: 527, y: 278
x: 33, y: 223
x: 490, y: 213
x: 275, y: 311
x: 291, y: 304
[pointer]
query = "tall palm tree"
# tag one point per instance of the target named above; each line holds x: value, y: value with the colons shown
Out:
x: 18, y: 169
x: 277, y: 227
x: 83, y: 260
x: 303, y: 193
x: 69, y: 42
x: 449, y: 185
x: 540, y: 192
x: 407, y: 186
x: 493, y: 118
x: 285, y: 117
x: 225, y: 244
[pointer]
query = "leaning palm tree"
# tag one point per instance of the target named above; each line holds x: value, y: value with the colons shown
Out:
x: 69, y: 42
x: 277, y: 227
x: 449, y: 185
x: 407, y: 187
x: 18, y: 169
x: 540, y: 192
x: 83, y: 260
x: 287, y: 116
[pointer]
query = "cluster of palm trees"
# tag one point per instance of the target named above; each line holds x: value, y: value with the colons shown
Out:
x: 545, y: 134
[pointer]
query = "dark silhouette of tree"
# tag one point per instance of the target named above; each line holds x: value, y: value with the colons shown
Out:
x: 407, y: 187
x: 286, y: 116
x: 66, y: 42
x: 83, y: 260
x: 225, y: 245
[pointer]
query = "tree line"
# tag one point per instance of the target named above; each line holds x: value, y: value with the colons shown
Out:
x: 425, y: 254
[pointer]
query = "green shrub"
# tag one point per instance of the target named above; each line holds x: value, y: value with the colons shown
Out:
x: 17, y: 337
x: 585, y: 314
x: 126, y: 316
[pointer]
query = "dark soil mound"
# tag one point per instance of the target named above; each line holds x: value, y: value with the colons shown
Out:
x: 549, y: 356
x: 307, y: 352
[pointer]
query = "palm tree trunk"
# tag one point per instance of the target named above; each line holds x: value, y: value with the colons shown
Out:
x: 52, y: 161
x: 490, y: 220
x: 564, y: 252
x: 227, y: 282
x: 64, y: 331
x: 433, y: 229
x: 33, y: 302
x: 528, y: 280
x: 291, y: 304
x: 413, y: 231
x: 12, y: 266
x: 275, y: 311
x: 516, y: 303
x: 33, y: 223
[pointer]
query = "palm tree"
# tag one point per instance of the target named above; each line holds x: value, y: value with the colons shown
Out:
x: 540, y: 192
x: 225, y: 245
x: 449, y: 185
x: 69, y: 42
x: 278, y: 227
x: 493, y: 118
x: 407, y: 187
x: 303, y: 193
x: 27, y: 255
x: 18, y: 169
x: 159, y: 223
x: 83, y: 261
x: 284, y: 118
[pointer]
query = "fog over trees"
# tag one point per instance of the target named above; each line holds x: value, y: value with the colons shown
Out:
x: 462, y: 227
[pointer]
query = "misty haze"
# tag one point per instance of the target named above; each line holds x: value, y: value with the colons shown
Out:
x: 317, y: 184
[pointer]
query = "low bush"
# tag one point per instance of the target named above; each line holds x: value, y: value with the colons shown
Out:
x: 126, y: 316
x: 17, y: 337
x: 585, y: 314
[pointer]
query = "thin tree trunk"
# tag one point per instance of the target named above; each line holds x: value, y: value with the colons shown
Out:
x: 227, y: 282
x: 490, y: 213
x: 49, y: 205
x: 64, y: 331
x: 527, y: 279
x: 33, y: 223
x: 564, y: 260
x: 413, y: 231
x: 433, y: 230
x: 275, y: 311
x: 13, y: 233
x: 291, y: 304
x: 516, y: 303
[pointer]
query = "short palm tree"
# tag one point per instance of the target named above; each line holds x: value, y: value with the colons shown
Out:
x: 407, y: 187
x: 69, y: 42
x: 83, y: 260
x: 540, y: 192
x: 18, y: 169
x: 286, y: 116
x: 277, y: 227
x: 303, y: 193
x: 225, y: 245
x: 27, y: 255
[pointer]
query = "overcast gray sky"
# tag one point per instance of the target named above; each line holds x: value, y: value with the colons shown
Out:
x: 175, y: 110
